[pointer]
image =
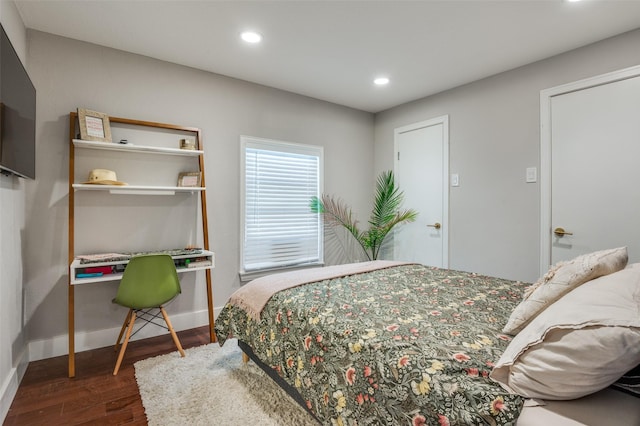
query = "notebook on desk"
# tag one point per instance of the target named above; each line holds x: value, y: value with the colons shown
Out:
x: 115, y: 257
x: 102, y: 257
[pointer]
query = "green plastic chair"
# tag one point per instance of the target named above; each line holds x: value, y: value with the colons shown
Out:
x: 148, y: 282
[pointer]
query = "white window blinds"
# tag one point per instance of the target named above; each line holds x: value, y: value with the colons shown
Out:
x: 279, y: 228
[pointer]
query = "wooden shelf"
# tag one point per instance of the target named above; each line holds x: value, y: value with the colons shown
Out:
x: 166, y: 160
x: 110, y: 146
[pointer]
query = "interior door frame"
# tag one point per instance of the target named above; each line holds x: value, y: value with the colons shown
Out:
x: 444, y: 120
x: 546, y: 96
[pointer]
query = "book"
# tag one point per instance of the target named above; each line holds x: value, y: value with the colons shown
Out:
x: 198, y: 263
x: 85, y: 275
x: 101, y: 269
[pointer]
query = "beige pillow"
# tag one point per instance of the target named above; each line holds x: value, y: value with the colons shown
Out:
x: 560, y: 280
x: 582, y: 343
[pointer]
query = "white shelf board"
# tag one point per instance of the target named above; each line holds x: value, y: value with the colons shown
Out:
x: 114, y: 146
x: 137, y: 189
x: 116, y: 277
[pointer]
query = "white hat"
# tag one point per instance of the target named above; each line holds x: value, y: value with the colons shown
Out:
x: 103, y: 177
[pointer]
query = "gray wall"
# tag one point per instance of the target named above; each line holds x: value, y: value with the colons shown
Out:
x: 69, y: 74
x: 494, y: 136
x: 494, y: 131
x: 13, y: 340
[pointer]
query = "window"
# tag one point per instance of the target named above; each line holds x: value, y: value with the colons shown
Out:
x: 278, y: 228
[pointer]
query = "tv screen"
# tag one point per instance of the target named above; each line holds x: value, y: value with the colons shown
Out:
x: 17, y: 114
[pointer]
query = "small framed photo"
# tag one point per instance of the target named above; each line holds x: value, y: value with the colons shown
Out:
x: 189, y: 179
x: 94, y: 126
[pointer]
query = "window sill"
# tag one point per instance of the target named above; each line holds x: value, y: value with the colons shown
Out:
x: 245, y: 277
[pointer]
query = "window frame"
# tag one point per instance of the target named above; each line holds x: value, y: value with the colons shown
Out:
x: 287, y: 147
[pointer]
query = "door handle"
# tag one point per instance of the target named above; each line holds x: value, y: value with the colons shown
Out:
x: 435, y: 225
x: 560, y: 232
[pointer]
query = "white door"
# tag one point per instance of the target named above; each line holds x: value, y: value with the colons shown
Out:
x: 594, y: 171
x: 421, y: 171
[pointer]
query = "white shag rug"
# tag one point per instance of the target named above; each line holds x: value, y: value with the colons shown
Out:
x: 212, y: 386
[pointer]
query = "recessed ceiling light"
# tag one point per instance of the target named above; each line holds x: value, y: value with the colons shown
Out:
x: 251, y: 37
x: 381, y: 81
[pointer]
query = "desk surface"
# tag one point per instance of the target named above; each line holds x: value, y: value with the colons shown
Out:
x: 86, y: 259
x: 111, y: 259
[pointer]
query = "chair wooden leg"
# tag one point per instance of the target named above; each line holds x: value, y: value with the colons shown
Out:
x: 125, y: 343
x: 245, y: 358
x: 172, y: 331
x: 124, y: 325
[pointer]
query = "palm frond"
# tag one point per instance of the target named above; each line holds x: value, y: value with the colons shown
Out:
x: 384, y: 215
x: 336, y: 213
x: 387, y: 200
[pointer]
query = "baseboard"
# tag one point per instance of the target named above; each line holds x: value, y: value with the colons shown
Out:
x: 11, y: 383
x: 84, y: 341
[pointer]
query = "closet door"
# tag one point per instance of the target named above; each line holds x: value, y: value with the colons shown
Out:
x: 421, y: 171
x: 595, y: 170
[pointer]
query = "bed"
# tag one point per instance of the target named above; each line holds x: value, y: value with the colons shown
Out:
x: 383, y: 343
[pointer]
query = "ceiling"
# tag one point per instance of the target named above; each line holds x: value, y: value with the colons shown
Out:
x: 332, y: 50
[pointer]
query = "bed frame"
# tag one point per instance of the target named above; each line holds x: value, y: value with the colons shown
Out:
x: 247, y: 353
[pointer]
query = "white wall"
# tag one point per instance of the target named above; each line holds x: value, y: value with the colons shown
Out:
x: 494, y: 136
x: 13, y: 341
x: 69, y: 74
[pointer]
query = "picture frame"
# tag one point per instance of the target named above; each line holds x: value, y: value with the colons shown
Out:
x: 94, y: 125
x: 189, y: 179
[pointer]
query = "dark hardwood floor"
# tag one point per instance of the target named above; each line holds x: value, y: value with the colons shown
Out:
x: 46, y: 395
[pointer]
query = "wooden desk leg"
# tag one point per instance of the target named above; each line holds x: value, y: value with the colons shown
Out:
x: 72, y: 348
x: 212, y: 333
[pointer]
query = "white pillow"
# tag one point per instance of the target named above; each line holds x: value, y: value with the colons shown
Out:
x: 582, y: 343
x: 560, y: 280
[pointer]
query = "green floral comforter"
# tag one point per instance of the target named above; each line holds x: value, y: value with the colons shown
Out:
x: 407, y: 345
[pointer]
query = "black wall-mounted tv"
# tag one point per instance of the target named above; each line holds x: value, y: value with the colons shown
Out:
x: 17, y: 114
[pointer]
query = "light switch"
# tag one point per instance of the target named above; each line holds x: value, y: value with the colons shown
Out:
x: 455, y: 179
x: 532, y: 174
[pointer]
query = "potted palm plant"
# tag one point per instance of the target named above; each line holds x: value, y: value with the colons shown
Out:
x: 386, y: 214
